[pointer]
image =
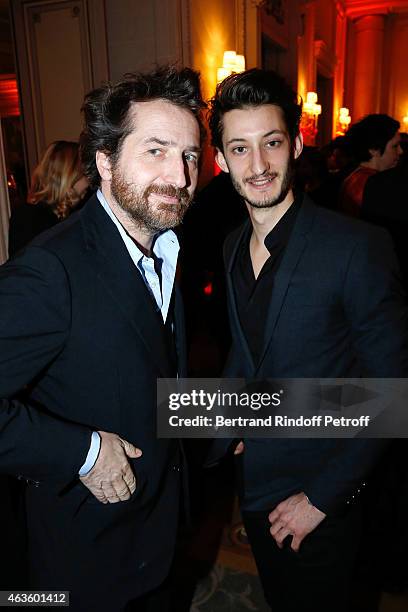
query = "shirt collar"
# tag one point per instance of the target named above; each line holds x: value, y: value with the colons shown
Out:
x: 280, y: 233
x: 165, y: 246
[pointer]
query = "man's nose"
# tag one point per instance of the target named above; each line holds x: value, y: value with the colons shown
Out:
x: 259, y: 161
x: 175, y: 173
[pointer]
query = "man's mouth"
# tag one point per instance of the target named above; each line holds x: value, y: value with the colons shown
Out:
x: 261, y: 182
x: 166, y: 199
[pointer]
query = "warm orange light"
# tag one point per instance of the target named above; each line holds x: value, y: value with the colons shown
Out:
x: 405, y: 121
x: 310, y: 107
x: 222, y: 74
x: 343, y: 121
x: 310, y: 114
x: 231, y: 63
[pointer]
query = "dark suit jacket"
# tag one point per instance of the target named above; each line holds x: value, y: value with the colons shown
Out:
x: 79, y: 327
x: 336, y: 310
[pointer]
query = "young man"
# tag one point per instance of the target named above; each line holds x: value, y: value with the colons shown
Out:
x: 311, y: 294
x: 90, y: 319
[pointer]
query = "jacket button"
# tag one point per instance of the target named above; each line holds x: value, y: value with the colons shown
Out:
x: 176, y: 468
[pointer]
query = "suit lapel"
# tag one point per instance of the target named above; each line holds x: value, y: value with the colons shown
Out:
x: 117, y: 272
x: 293, y: 252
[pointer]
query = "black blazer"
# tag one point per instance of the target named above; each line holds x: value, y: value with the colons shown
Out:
x: 80, y: 330
x: 337, y: 310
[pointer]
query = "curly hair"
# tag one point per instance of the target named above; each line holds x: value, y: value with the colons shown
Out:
x: 254, y: 87
x: 53, y: 179
x: 107, y: 115
x: 371, y: 133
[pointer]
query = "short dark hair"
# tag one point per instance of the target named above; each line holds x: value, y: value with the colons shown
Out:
x: 106, y: 109
x: 371, y: 132
x: 254, y: 87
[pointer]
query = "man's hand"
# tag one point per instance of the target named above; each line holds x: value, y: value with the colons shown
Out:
x: 239, y: 448
x: 111, y: 479
x: 294, y: 516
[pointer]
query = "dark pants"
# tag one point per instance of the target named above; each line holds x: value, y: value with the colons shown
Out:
x: 317, y: 578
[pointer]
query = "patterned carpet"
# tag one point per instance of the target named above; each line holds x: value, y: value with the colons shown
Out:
x: 227, y: 590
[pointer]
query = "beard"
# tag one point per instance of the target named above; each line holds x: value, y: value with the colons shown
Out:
x: 157, y: 217
x: 286, y: 185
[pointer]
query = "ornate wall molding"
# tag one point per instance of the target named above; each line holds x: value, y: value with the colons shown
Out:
x: 274, y: 8
x: 240, y: 26
x: 185, y: 32
x: 4, y: 205
x: 47, y: 34
x: 325, y: 59
x: 359, y: 8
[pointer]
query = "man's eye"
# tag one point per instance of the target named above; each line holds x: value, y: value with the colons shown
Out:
x: 191, y: 157
x: 272, y: 144
x: 155, y: 152
x: 239, y: 150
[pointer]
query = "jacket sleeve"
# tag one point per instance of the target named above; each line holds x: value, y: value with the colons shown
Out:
x: 35, y: 312
x: 374, y: 304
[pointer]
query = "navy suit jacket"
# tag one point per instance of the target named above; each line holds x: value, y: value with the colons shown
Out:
x: 337, y: 310
x: 80, y: 334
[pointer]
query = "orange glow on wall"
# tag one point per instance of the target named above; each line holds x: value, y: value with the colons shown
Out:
x: 9, y: 106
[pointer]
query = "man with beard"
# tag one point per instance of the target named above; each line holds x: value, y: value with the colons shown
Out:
x: 90, y: 320
x: 311, y: 295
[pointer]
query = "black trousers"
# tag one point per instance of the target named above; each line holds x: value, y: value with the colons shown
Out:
x: 316, y: 579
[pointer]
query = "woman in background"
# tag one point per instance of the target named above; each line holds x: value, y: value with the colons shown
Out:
x: 57, y: 186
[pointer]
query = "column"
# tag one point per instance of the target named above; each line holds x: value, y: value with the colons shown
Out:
x: 369, y: 40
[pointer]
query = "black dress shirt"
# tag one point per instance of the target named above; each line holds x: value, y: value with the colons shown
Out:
x: 252, y: 294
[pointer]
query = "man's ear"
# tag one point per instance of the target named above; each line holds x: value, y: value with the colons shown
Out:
x: 374, y: 153
x: 103, y: 164
x: 220, y: 160
x: 298, y: 145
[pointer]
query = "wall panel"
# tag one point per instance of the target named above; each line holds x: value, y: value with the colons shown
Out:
x: 60, y: 56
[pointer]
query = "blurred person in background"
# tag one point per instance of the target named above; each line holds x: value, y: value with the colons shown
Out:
x: 57, y: 187
x: 385, y: 204
x: 375, y: 142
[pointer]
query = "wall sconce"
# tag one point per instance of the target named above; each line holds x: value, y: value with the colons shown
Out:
x: 343, y: 121
x: 405, y: 121
x: 231, y: 64
x: 310, y: 115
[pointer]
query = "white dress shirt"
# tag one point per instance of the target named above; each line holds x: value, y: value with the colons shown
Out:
x: 165, y: 249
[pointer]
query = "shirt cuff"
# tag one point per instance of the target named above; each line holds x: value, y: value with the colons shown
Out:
x: 92, y: 454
